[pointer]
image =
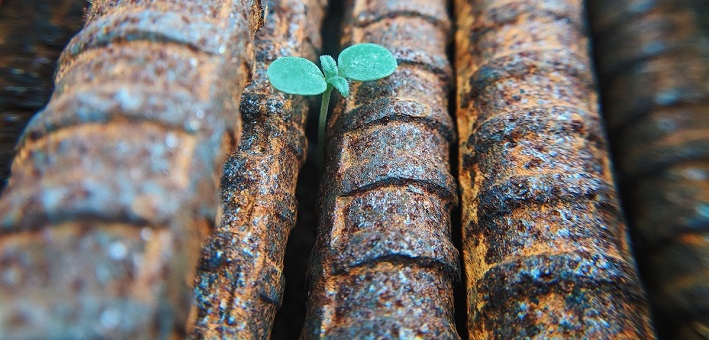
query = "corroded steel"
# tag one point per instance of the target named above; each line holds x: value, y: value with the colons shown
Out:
x: 32, y: 35
x: 544, y: 246
x: 654, y: 71
x: 239, y: 283
x: 114, y: 182
x: 383, y: 264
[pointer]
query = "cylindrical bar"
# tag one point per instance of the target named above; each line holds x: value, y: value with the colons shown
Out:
x: 383, y: 264
x: 654, y: 71
x: 239, y: 283
x: 32, y: 35
x: 545, y: 247
x: 114, y: 182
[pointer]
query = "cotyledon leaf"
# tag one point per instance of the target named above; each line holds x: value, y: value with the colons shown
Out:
x: 296, y: 75
x: 366, y: 62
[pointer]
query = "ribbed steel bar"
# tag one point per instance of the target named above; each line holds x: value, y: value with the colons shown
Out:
x: 654, y: 71
x: 384, y: 265
x: 239, y: 283
x: 114, y: 181
x: 544, y: 245
x: 32, y: 35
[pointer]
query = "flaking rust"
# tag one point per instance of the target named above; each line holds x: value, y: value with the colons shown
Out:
x: 239, y: 283
x: 383, y: 264
x: 654, y: 71
x: 544, y: 246
x: 32, y: 35
x: 114, y: 181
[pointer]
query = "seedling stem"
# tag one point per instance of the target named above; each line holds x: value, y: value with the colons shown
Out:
x: 322, y: 122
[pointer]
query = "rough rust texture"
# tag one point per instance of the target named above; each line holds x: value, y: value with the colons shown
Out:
x: 383, y: 264
x: 654, y: 71
x: 32, y: 35
x: 239, y: 283
x: 544, y: 246
x: 114, y: 181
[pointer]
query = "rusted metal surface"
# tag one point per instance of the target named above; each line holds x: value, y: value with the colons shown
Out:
x: 654, y: 71
x: 239, y: 283
x: 383, y: 264
x: 115, y: 181
x: 544, y: 246
x: 32, y: 35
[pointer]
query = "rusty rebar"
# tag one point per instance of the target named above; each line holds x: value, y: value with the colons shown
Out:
x: 32, y: 35
x: 115, y: 180
x: 653, y: 61
x: 383, y: 264
x: 239, y: 283
x: 544, y: 245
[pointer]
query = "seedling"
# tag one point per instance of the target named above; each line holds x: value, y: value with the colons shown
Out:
x: 361, y: 62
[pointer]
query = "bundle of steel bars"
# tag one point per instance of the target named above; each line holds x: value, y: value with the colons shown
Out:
x: 163, y: 136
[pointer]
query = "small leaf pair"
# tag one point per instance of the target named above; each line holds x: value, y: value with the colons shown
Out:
x: 362, y: 62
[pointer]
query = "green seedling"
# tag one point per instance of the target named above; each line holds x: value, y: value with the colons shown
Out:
x: 361, y: 62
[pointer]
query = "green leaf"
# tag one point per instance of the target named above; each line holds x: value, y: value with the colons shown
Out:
x: 329, y: 66
x: 341, y: 85
x: 365, y: 62
x: 296, y: 75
